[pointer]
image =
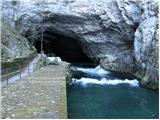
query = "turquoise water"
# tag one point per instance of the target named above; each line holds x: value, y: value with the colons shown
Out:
x: 94, y: 100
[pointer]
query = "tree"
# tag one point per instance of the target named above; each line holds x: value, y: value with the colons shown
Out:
x: 42, y: 4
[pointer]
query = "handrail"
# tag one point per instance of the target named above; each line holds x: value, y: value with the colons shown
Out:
x: 19, y: 72
x: 14, y: 72
x: 10, y: 73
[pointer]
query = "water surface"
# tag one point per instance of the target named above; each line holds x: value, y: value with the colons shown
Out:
x: 110, y: 98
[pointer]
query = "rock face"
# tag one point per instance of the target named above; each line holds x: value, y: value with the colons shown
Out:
x: 13, y: 44
x: 121, y: 35
x: 146, y: 45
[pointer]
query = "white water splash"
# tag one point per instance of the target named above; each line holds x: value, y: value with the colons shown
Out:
x: 97, y: 70
x: 85, y: 81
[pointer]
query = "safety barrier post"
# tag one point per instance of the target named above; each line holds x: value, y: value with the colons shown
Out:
x: 28, y: 70
x: 7, y: 76
x: 20, y: 76
x: 33, y: 66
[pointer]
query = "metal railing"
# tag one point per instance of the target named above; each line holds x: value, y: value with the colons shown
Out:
x: 22, y: 72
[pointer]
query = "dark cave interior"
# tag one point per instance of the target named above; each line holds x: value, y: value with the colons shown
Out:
x: 68, y: 49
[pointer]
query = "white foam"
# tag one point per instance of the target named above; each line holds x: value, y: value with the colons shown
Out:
x: 97, y: 70
x: 85, y: 81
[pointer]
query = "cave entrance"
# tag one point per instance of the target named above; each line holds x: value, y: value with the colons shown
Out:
x: 68, y: 49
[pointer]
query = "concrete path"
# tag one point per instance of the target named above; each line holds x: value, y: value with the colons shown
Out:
x: 40, y: 95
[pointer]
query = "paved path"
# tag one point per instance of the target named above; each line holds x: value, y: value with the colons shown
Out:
x: 40, y: 95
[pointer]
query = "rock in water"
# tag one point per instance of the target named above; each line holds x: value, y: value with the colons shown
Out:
x: 54, y: 60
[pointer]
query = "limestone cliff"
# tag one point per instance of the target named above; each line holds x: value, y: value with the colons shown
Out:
x: 13, y: 45
x: 122, y: 35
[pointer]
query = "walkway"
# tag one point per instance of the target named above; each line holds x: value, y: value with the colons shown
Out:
x: 40, y: 95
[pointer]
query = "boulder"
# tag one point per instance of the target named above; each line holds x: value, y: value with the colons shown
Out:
x: 54, y: 60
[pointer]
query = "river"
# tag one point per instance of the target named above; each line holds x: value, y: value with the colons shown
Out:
x: 101, y: 94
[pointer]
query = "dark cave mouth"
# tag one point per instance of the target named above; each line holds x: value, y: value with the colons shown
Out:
x: 68, y: 49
